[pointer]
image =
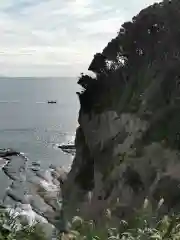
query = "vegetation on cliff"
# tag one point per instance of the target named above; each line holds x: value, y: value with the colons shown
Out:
x: 145, y: 225
x: 12, y: 229
x: 137, y: 78
x: 145, y: 48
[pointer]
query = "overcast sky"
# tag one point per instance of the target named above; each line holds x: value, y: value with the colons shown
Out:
x: 58, y: 37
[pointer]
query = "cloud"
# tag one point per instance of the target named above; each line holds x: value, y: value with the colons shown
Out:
x: 58, y: 37
x: 108, y: 26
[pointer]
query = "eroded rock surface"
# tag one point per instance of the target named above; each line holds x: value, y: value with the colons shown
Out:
x: 34, y: 194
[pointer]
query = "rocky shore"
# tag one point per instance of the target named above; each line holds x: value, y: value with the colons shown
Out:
x: 34, y: 194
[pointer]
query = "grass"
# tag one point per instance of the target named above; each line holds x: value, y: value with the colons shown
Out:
x: 144, y: 225
x: 11, y: 229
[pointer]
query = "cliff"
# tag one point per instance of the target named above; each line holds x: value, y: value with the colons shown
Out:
x: 128, y: 140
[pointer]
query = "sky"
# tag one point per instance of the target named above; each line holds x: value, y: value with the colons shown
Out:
x: 58, y: 37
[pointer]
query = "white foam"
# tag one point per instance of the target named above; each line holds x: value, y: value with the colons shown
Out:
x: 25, y: 210
x: 3, y: 162
x: 48, y: 186
x: 70, y: 139
x: 22, y: 154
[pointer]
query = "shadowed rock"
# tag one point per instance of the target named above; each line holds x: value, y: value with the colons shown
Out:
x: 70, y: 149
x: 128, y: 141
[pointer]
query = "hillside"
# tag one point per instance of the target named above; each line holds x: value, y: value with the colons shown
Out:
x: 128, y: 139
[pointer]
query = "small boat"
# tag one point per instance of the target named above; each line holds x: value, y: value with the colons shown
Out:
x: 52, y: 102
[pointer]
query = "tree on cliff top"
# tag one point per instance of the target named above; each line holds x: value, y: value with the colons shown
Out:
x: 152, y: 38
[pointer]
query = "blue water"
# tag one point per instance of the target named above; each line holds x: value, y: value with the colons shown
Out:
x: 28, y: 124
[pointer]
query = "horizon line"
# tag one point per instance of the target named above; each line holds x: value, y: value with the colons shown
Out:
x: 38, y: 76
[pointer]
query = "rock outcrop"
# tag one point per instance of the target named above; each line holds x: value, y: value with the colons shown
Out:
x: 128, y: 140
x: 33, y: 194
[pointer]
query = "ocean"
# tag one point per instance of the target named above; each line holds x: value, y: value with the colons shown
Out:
x: 30, y: 125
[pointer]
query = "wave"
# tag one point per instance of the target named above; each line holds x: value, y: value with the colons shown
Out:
x: 69, y: 140
x: 18, y: 130
x: 67, y: 147
x: 18, y: 101
x: 11, y: 101
x: 4, y: 101
x: 55, y: 129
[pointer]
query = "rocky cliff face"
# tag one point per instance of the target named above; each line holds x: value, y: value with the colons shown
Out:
x: 128, y: 140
